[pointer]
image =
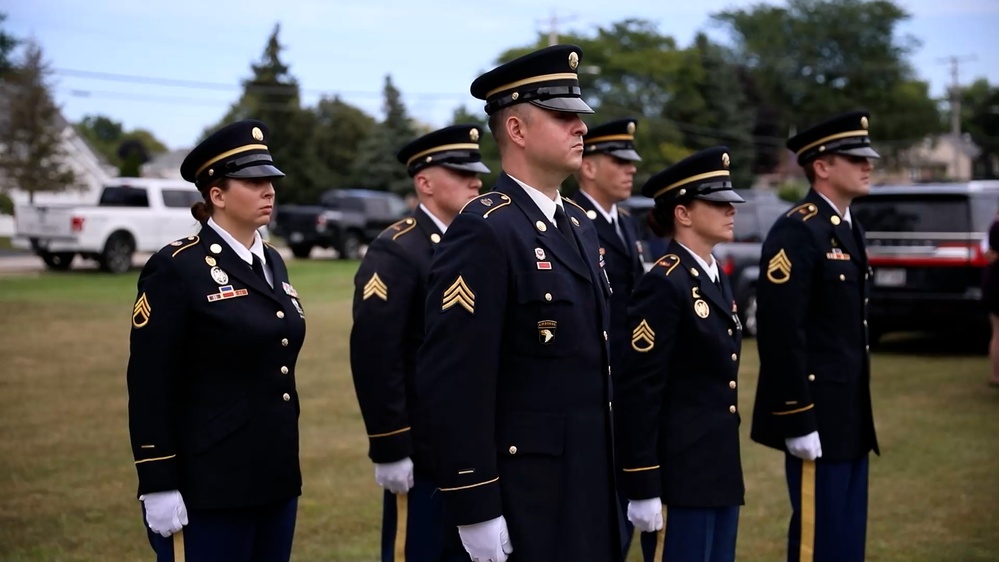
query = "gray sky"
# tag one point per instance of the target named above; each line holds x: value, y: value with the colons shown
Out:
x: 433, y: 50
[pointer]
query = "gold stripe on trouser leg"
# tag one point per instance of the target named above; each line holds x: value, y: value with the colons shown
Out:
x: 401, y: 516
x: 807, y: 546
x: 178, y: 546
x: 660, y: 540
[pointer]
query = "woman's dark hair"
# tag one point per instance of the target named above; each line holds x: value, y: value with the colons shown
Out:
x: 203, y: 210
x: 660, y: 220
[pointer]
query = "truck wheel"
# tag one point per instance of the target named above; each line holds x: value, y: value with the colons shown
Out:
x: 57, y: 261
x: 301, y: 250
x: 749, y: 306
x: 350, y: 247
x: 117, y: 254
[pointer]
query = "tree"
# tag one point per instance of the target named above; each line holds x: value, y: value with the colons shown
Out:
x: 127, y: 150
x: 340, y: 130
x: 376, y: 166
x: 33, y: 158
x: 980, y: 119
x: 7, y: 45
x: 272, y: 95
x: 811, y: 59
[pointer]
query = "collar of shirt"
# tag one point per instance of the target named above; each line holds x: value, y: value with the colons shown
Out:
x: 845, y: 216
x: 711, y: 270
x: 546, y: 205
x: 440, y: 226
x: 609, y: 215
x: 244, y: 254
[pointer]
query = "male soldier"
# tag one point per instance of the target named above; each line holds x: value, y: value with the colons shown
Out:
x: 513, y: 375
x: 389, y: 296
x: 813, y: 400
x: 605, y: 179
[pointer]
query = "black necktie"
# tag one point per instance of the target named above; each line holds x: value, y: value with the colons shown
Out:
x: 562, y: 221
x: 258, y: 268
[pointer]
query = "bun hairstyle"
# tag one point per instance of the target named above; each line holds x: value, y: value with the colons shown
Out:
x: 661, y: 221
x: 203, y: 210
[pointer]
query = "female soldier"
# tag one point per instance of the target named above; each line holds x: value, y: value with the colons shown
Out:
x: 678, y: 427
x: 216, y: 331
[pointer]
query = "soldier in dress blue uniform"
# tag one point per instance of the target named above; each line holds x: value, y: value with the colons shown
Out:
x: 813, y: 401
x: 212, y: 404
x: 605, y: 179
x: 513, y: 376
x: 390, y: 292
x: 678, y: 422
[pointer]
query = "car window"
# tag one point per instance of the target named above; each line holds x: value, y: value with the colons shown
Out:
x: 121, y: 196
x: 180, y: 198
x: 397, y: 207
x: 983, y: 211
x: 904, y: 213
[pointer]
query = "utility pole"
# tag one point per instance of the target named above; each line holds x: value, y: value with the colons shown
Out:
x: 955, y: 108
x: 553, y: 23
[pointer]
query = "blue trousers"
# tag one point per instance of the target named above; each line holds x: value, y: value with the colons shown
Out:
x: 694, y: 534
x: 828, y: 510
x: 249, y: 534
x: 416, y: 528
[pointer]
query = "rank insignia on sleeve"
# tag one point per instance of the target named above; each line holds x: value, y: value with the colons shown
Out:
x: 459, y: 293
x: 643, y: 338
x: 141, y: 312
x: 546, y: 331
x: 779, y: 269
x: 374, y: 287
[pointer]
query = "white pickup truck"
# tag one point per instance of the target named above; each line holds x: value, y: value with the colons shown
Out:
x: 132, y: 215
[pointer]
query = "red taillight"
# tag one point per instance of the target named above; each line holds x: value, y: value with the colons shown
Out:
x: 728, y: 265
x: 942, y: 254
x: 76, y: 224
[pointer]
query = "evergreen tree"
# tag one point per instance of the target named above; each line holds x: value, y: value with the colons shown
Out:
x: 33, y: 158
x: 376, y: 166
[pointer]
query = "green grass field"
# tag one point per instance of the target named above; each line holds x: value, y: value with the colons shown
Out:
x: 67, y: 483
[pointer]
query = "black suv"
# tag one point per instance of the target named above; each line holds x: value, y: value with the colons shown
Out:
x: 925, y: 245
x: 345, y: 219
x: 739, y: 259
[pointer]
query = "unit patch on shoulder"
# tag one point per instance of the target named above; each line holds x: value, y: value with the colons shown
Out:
x: 375, y: 287
x: 459, y: 293
x: 642, y: 337
x: 779, y: 268
x: 141, y: 312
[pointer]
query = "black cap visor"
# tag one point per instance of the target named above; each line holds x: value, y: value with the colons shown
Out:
x: 259, y: 171
x: 476, y: 167
x: 566, y: 105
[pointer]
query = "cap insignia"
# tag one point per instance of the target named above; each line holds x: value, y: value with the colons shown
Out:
x: 573, y: 60
x: 631, y: 127
x: 473, y: 135
x: 257, y: 134
x: 725, y: 160
x: 863, y: 122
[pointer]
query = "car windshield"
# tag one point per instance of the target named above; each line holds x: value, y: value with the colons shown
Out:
x: 905, y: 213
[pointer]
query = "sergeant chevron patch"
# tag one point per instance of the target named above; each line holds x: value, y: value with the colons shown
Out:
x: 459, y: 293
x: 779, y: 269
x: 643, y: 333
x: 375, y: 287
x: 141, y: 312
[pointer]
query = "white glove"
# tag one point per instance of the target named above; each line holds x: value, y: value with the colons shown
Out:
x: 396, y: 477
x: 646, y: 515
x: 165, y: 512
x: 488, y: 541
x: 806, y: 447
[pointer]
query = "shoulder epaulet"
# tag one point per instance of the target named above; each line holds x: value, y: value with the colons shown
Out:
x: 399, y: 228
x: 624, y: 212
x: 669, y: 261
x: 572, y: 202
x: 178, y: 246
x: 803, y: 212
x: 487, y: 203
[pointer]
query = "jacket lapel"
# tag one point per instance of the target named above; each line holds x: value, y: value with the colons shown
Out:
x: 841, y: 232
x: 705, y: 287
x: 605, y: 230
x: 551, y: 239
x: 234, y: 266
